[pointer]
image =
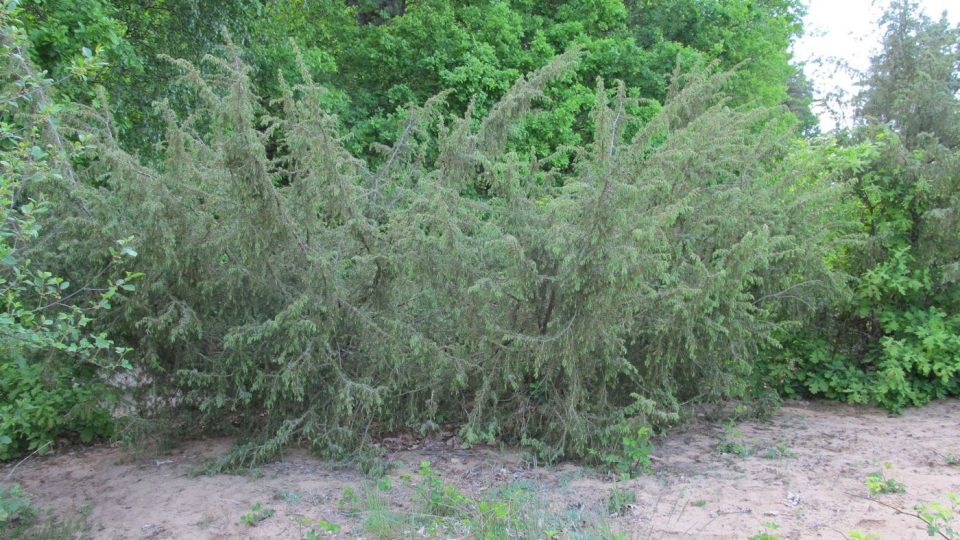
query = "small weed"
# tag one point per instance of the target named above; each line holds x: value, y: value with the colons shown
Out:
x: 511, y: 511
x: 879, y: 483
x: 323, y: 527
x: 778, y: 452
x: 767, y: 533
x: 952, y: 458
x: 636, y: 449
x: 291, y: 497
x: 699, y: 503
x: 857, y: 535
x: 258, y: 514
x: 378, y: 521
x: 327, y: 526
x: 205, y: 522
x: 634, y: 456
x: 19, y: 520
x: 619, y: 500
x: 381, y: 522
x: 438, y: 497
x: 349, y: 503
x: 374, y: 465
x: 731, y: 442
x: 14, y: 502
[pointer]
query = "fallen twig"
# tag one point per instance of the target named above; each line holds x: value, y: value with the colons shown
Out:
x: 22, y: 461
x: 901, y: 511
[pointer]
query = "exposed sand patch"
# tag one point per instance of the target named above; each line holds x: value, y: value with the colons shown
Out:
x: 695, y: 491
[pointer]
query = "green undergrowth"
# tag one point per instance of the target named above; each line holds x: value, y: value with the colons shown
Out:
x: 21, y: 519
x: 439, y: 509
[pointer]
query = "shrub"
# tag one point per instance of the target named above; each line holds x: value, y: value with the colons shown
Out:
x: 53, y: 365
x: 896, y: 341
x: 298, y: 295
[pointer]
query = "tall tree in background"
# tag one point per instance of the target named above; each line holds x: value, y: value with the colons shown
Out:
x: 897, y: 342
x: 754, y: 35
x: 376, y: 58
x: 913, y: 83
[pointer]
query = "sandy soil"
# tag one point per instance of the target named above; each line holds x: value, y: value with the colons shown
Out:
x: 695, y: 491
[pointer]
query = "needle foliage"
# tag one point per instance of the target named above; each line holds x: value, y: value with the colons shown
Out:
x: 298, y: 295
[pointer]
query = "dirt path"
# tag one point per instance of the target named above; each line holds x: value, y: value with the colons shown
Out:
x: 810, y: 486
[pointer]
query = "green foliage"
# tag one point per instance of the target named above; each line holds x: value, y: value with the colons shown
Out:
x: 74, y: 40
x: 513, y: 510
x: 754, y: 35
x: 732, y: 442
x: 633, y: 457
x: 299, y: 294
x: 942, y: 518
x: 619, y: 500
x: 258, y: 513
x: 20, y: 519
x: 378, y: 58
x: 911, y: 84
x: 896, y: 340
x: 779, y: 451
x: 38, y: 406
x: 768, y: 533
x: 438, y: 497
x: 14, y: 501
x: 857, y: 535
x: 879, y: 483
x: 53, y: 364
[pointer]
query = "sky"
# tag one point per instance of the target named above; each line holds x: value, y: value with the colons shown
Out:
x: 846, y: 31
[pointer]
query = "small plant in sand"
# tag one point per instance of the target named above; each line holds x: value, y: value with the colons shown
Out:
x: 620, y: 500
x: 287, y: 496
x: 779, y: 451
x: 767, y: 533
x: 633, y: 458
x: 879, y: 483
x: 349, y: 503
x: 328, y: 526
x: 731, y: 441
x: 258, y: 513
x: 438, y: 497
x: 857, y: 535
x: 316, y: 529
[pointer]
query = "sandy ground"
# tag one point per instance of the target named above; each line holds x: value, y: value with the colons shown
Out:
x: 816, y: 491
